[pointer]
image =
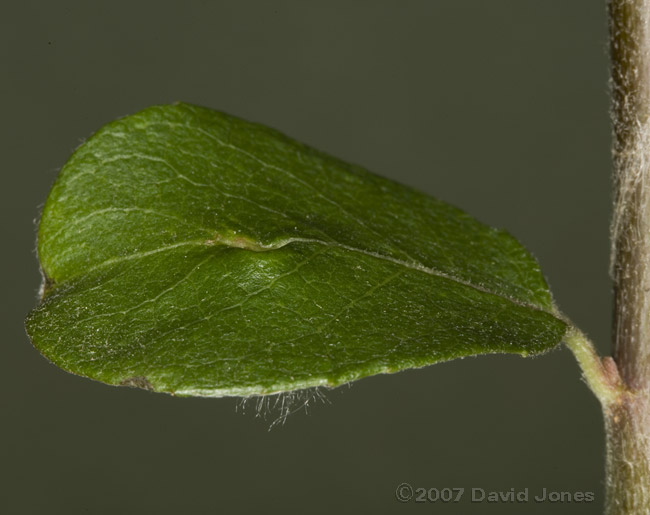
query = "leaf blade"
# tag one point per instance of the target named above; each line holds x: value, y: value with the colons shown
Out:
x: 388, y: 267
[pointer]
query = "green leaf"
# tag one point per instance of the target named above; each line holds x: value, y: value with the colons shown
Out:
x: 191, y: 252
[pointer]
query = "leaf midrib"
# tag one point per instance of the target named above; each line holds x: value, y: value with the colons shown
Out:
x: 250, y: 245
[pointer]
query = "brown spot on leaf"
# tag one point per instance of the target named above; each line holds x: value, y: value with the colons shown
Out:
x: 137, y: 382
x: 47, y: 284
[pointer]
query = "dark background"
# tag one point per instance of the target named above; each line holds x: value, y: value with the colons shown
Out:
x: 499, y: 107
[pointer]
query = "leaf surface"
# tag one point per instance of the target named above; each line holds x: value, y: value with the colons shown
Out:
x: 191, y: 252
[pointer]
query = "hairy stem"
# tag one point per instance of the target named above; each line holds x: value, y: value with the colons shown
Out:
x: 627, y: 421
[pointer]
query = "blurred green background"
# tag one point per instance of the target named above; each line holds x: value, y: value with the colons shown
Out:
x: 499, y: 107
